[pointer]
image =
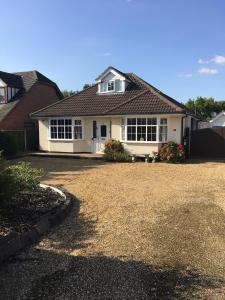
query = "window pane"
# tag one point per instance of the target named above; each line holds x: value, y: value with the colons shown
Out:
x: 68, y: 132
x: 131, y: 121
x: 53, y: 122
x: 163, y: 133
x: 163, y: 121
x: 118, y: 85
x: 141, y: 121
x: 103, y: 130
x: 61, y: 122
x: 77, y: 122
x: 53, y: 131
x: 152, y: 121
x: 131, y: 133
x: 68, y: 122
x: 151, y: 133
x: 141, y: 133
x: 103, y: 87
x: 61, y: 134
x: 111, y: 86
x: 123, y: 122
x: 94, y: 126
x: 77, y: 132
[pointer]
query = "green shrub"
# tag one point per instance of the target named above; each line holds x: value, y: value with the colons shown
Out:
x: 7, y: 144
x: 16, y: 178
x: 172, y: 152
x: 114, y: 151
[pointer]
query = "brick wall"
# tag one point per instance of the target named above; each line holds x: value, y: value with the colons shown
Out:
x: 39, y: 96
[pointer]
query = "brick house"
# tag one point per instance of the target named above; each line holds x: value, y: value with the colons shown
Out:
x: 21, y: 94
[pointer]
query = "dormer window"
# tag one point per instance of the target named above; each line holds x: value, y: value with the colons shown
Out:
x: 112, y: 81
x: 111, y: 86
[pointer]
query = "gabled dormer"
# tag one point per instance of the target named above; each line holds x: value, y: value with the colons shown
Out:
x: 112, y: 81
x: 10, y: 84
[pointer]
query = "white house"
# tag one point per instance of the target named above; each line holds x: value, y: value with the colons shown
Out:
x: 218, y: 120
x: 121, y: 106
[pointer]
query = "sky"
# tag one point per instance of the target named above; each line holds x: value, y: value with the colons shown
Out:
x: 176, y: 45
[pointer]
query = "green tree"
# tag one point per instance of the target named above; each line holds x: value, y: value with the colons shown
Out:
x: 205, y: 107
x: 87, y: 85
x: 67, y: 93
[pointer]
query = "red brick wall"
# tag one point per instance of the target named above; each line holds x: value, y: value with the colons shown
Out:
x: 39, y: 96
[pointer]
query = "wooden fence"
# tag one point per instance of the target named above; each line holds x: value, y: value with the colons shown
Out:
x: 208, y: 142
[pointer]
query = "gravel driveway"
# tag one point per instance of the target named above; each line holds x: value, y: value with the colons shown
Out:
x: 137, y: 231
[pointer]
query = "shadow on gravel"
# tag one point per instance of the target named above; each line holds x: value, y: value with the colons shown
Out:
x: 58, y: 168
x: 192, y: 235
x: 101, y: 277
x: 46, y: 274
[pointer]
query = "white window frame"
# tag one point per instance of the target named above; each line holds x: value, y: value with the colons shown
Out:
x: 82, y: 128
x: 165, y: 126
x: 72, y: 124
x: 110, y: 81
x: 122, y: 87
x: 158, y: 118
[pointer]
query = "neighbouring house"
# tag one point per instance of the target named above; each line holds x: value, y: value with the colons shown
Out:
x: 22, y: 93
x: 121, y: 106
x: 218, y: 120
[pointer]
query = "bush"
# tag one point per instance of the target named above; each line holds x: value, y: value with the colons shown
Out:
x: 16, y: 178
x: 114, y: 151
x: 172, y: 152
x: 7, y: 144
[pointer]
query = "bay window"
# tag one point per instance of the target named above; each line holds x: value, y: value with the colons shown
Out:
x: 144, y: 129
x: 63, y: 129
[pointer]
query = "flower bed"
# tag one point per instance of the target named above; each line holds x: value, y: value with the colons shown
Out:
x: 114, y: 151
x: 172, y: 153
x: 26, y: 209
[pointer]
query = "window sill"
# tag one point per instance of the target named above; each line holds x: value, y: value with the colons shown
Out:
x: 65, y: 140
x: 142, y: 142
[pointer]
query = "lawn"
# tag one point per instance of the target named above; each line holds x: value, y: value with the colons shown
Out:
x: 137, y: 231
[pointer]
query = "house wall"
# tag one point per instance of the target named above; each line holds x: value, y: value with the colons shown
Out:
x: 2, y: 84
x: 86, y: 145
x: 40, y: 95
x: 218, y: 122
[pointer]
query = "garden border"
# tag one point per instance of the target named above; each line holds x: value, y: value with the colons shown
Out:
x: 14, y: 242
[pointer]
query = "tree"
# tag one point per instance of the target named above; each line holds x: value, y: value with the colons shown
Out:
x: 205, y: 107
x: 67, y: 93
x: 87, y: 85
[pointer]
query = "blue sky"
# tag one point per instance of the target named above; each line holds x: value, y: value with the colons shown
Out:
x: 176, y: 45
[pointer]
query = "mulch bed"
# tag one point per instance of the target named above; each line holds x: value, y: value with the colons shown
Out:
x: 26, y: 208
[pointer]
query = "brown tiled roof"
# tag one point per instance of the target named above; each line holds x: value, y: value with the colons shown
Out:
x: 139, y: 98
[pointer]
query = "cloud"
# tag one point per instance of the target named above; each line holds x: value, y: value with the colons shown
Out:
x: 188, y: 75
x: 208, y: 71
x: 107, y: 54
x: 218, y: 59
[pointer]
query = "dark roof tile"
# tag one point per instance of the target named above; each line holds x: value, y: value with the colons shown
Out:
x: 139, y: 98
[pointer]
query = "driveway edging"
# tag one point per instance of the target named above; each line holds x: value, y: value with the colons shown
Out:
x: 15, y: 242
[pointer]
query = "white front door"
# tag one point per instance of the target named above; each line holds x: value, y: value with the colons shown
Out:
x: 101, y: 137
